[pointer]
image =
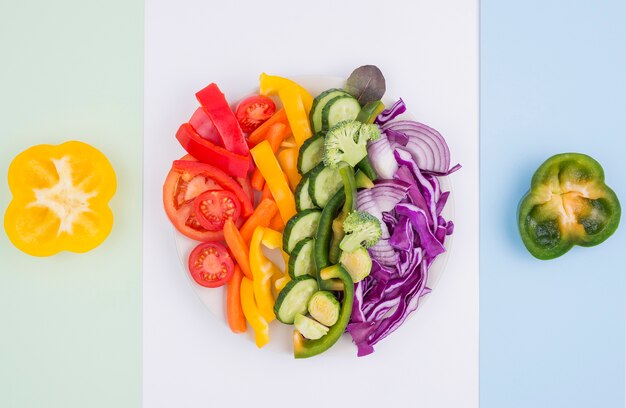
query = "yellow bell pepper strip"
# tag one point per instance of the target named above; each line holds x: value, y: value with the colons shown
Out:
x: 270, y: 169
x: 251, y: 312
x: 275, y: 136
x: 60, y: 199
x: 274, y: 240
x: 296, y: 114
x: 272, y: 84
x: 288, y: 159
x: 262, y: 271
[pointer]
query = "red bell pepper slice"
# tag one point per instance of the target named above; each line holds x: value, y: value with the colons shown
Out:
x: 207, y: 152
x: 220, y: 177
x: 202, y: 123
x: 216, y: 106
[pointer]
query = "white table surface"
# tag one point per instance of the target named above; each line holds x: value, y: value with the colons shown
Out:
x: 428, y: 51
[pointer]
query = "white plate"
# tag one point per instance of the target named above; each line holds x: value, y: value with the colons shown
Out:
x: 281, y: 334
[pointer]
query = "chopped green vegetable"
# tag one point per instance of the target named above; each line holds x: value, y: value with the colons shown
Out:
x: 324, y: 234
x: 349, y: 205
x: 362, y: 181
x: 324, y: 307
x: 310, y: 154
x: 300, y: 226
x: 358, y: 263
x: 309, y: 328
x: 302, y: 261
x: 347, y: 141
x: 366, y: 84
x: 294, y: 298
x: 370, y: 112
x: 362, y: 229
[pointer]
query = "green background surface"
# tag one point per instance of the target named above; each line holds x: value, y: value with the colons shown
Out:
x: 70, y: 325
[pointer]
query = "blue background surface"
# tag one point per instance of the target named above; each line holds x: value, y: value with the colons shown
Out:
x: 553, y: 79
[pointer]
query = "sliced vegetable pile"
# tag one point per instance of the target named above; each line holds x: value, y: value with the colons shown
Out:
x: 356, y: 247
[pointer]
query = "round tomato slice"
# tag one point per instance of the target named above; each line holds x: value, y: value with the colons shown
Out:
x: 179, y: 192
x: 226, y: 182
x: 214, y: 207
x: 253, y: 111
x: 210, y: 264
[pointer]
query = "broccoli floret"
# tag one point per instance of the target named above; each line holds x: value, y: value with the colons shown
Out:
x: 347, y: 141
x: 362, y: 229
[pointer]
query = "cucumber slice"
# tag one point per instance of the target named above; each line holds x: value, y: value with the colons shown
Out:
x: 300, y: 226
x: 324, y: 307
x: 301, y: 261
x: 324, y: 182
x: 358, y: 263
x: 338, y: 109
x: 303, y: 199
x: 311, y: 153
x: 318, y: 105
x: 294, y: 298
x: 309, y: 328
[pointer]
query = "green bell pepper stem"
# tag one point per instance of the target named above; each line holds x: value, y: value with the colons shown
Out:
x: 303, y: 348
x: 568, y: 204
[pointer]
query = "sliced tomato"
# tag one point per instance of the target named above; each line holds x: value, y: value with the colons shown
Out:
x: 179, y: 191
x: 187, y: 180
x: 211, y: 265
x: 253, y: 111
x: 221, y: 178
x: 202, y: 123
x: 214, y: 207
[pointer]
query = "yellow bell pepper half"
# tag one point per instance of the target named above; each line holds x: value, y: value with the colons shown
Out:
x: 267, y: 164
x: 60, y: 199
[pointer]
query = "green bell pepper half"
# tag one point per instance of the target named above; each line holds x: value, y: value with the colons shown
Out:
x: 568, y: 204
